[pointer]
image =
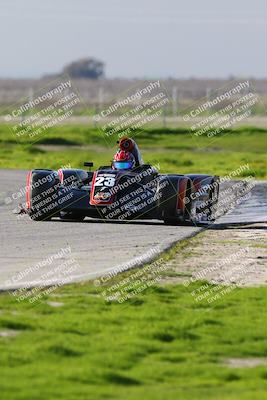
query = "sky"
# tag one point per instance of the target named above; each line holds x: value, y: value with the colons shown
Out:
x: 135, y: 39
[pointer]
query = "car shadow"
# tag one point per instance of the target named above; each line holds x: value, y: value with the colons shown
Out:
x: 116, y: 222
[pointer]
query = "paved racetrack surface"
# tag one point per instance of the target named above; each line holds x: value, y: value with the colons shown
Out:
x: 31, y: 252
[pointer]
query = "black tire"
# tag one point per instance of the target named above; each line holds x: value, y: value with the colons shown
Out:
x: 42, y: 185
x: 209, y: 211
x: 213, y: 199
x: 170, y: 216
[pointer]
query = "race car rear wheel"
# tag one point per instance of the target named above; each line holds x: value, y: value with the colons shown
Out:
x: 206, y: 212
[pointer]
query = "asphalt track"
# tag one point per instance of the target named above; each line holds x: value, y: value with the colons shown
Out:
x: 31, y: 252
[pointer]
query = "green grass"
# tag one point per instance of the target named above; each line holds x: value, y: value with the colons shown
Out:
x: 161, y: 344
x: 176, y: 150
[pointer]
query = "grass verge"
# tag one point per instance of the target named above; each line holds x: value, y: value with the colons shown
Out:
x: 176, y: 150
x: 160, y: 344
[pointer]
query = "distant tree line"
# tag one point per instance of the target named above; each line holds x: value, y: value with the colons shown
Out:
x: 89, y: 68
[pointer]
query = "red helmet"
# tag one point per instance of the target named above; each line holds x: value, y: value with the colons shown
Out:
x: 123, y: 160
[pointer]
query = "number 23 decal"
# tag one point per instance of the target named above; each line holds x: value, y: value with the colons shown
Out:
x: 104, y: 181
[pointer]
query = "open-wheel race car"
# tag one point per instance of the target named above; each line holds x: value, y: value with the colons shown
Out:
x: 125, y: 190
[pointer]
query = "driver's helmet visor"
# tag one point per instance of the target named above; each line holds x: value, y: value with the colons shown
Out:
x: 123, y: 164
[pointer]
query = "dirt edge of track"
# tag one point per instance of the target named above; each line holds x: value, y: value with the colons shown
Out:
x: 226, y: 255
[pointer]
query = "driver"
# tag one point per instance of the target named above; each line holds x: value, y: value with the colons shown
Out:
x: 123, y: 160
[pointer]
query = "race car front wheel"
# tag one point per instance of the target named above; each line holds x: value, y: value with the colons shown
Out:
x: 42, y: 194
x: 178, y: 205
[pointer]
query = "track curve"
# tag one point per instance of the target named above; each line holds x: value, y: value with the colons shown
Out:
x: 97, y: 246
x: 32, y: 252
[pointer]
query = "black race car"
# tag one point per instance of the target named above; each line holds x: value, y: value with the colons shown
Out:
x: 121, y: 194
